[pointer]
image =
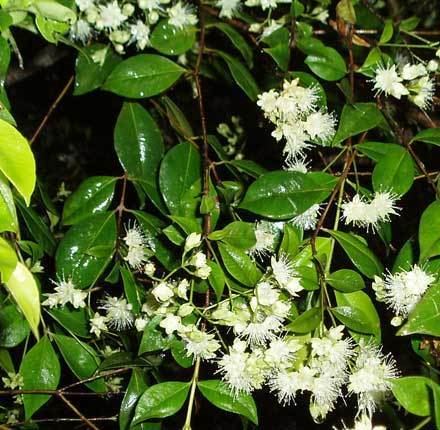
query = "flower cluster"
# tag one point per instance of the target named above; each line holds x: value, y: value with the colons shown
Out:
x: 65, y: 292
x: 401, y: 291
x: 139, y: 249
x: 298, y: 119
x: 412, y: 80
x: 362, y: 213
x: 125, y: 23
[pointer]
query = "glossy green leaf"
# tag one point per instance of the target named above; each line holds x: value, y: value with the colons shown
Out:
x: 75, y: 258
x: 305, y: 256
x: 82, y: 360
x: 430, y: 135
x: 239, y: 265
x: 429, y: 232
x: 377, y: 150
x: 40, y: 370
x: 394, y: 172
x: 13, y: 327
x: 16, y: 160
x: 131, y: 289
x: 75, y: 321
x: 326, y: 63
x: 387, y: 32
x: 177, y: 118
x: 93, y: 65
x: 359, y: 253
x: 37, y: 227
x: 180, y: 169
x: 279, y: 47
x: 170, y: 40
x: 180, y: 354
x: 413, y: 393
x: 241, y: 75
x: 143, y: 75
x: 346, y: 281
x: 136, y: 387
x: 238, y: 233
x: 139, y: 146
x: 306, y: 322
x: 160, y: 401
x: 283, y: 194
x: 216, y: 279
x: 425, y: 317
x: 21, y: 284
x: 237, y: 40
x: 8, y: 260
x: 357, y: 312
x: 291, y: 241
x: 405, y: 258
x: 8, y: 214
x: 93, y: 196
x: 357, y: 118
x: 53, y: 10
x: 220, y: 395
x: 153, y: 339
x: 6, y: 361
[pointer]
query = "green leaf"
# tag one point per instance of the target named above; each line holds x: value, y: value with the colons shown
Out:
x: 170, y: 40
x: 306, y: 322
x: 21, y: 284
x: 282, y: 195
x: 429, y: 232
x: 40, y: 370
x: 346, y: 281
x: 52, y: 9
x: 93, y: 65
x: 357, y: 312
x: 326, y: 63
x: 405, y: 258
x: 241, y: 75
x: 180, y: 355
x: 75, y: 321
x: 131, y: 289
x: 359, y: 253
x: 8, y: 214
x: 143, y: 75
x: 377, y: 150
x: 75, y: 258
x: 237, y: 40
x: 50, y: 29
x: 8, y: 260
x: 345, y: 11
x: 238, y: 233
x: 387, y: 32
x: 81, y: 359
x: 16, y: 160
x: 6, y: 361
x: 136, y: 387
x: 239, y: 265
x: 430, y: 135
x: 279, y: 47
x: 216, y: 279
x: 180, y: 169
x: 394, y: 172
x: 355, y: 119
x: 291, y: 241
x: 220, y: 395
x: 93, y: 196
x: 160, y: 401
x: 152, y: 339
x: 177, y: 118
x: 13, y: 327
x: 139, y: 146
x: 413, y: 393
x: 37, y: 227
x: 249, y: 167
x: 425, y: 317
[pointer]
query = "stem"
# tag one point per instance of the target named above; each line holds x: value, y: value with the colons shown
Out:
x: 422, y: 423
x: 187, y: 425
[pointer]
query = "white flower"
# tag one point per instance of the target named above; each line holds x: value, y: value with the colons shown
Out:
x: 140, y: 33
x: 285, y: 274
x: 200, y: 344
x: 388, y: 81
x: 281, y: 352
x: 403, y: 290
x: 149, y: 268
x: 181, y: 15
x: 261, y: 331
x: 185, y: 310
x: 13, y: 381
x: 81, y: 30
x: 171, y: 323
x: 198, y: 260
x: 265, y: 235
x: 228, y: 7
x: 136, y: 257
x: 270, y: 28
x: 134, y: 236
x: 203, y: 272
x: 110, y: 17
x: 98, y: 324
x: 432, y: 66
x: 66, y: 293
x: 268, y: 102
x: 320, y: 126
x: 194, y: 240
x: 266, y: 4
x: 162, y: 292
x: 182, y: 289
x: 296, y: 165
x: 84, y: 4
x: 384, y: 206
x: 266, y: 294
x: 149, y: 4
x: 371, y: 377
x: 308, y: 219
x: 413, y: 71
x: 140, y: 324
x: 424, y: 90
x: 118, y: 312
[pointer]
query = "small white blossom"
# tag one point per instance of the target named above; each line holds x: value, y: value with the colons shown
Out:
x: 228, y: 7
x: 13, y: 381
x: 162, y: 292
x: 296, y: 165
x: 270, y: 28
x: 413, y: 71
x: 136, y: 257
x: 281, y: 352
x: 371, y: 377
x: 285, y: 275
x: 194, y: 240
x: 265, y: 235
x: 150, y: 4
x: 98, y: 324
x: 171, y: 323
x: 422, y: 92
x: 182, y: 289
x: 140, y: 324
x: 134, y: 236
x: 320, y: 126
x: 308, y: 219
x: 140, y: 34
x: 432, y: 66
x: 65, y: 292
x: 200, y: 344
x: 118, y: 311
x: 203, y: 272
x: 262, y: 330
x: 388, y: 81
x: 81, y: 30
x: 84, y: 4
x: 181, y: 15
x: 149, y: 268
x: 110, y: 16
x: 198, y: 260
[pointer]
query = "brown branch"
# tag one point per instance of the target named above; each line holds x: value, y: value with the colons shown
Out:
x: 61, y: 420
x: 75, y: 410
x: 52, y: 108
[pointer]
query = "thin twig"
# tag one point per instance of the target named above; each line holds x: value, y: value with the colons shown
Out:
x: 51, y: 109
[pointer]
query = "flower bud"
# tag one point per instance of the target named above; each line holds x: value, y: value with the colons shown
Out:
x: 193, y: 241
